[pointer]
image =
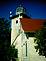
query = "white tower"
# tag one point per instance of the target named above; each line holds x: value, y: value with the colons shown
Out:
x: 16, y: 24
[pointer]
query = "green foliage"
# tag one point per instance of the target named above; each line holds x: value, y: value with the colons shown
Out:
x: 5, y: 34
x: 29, y: 34
x: 12, y: 52
x: 6, y: 50
x: 41, y: 41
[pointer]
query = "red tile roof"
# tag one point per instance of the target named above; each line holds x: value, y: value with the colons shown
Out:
x: 30, y: 25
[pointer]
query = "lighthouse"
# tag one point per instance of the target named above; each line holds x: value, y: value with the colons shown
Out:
x: 21, y: 24
x: 15, y: 22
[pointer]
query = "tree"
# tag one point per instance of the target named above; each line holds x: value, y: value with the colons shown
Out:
x: 12, y: 53
x: 4, y: 32
x: 41, y: 41
x: 6, y: 49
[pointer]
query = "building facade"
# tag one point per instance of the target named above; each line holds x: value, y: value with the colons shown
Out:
x: 22, y: 24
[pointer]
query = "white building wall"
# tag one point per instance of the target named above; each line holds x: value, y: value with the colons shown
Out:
x: 15, y: 29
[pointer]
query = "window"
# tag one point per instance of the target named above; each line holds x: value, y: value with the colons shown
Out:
x: 16, y: 21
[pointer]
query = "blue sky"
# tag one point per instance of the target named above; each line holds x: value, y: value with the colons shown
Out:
x: 35, y: 9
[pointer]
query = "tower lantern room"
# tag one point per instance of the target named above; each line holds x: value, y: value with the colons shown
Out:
x: 20, y: 10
